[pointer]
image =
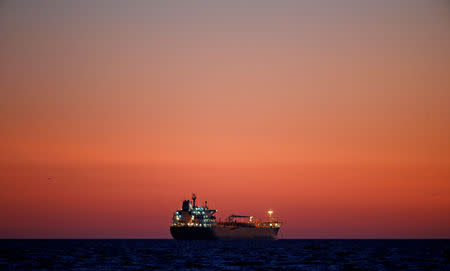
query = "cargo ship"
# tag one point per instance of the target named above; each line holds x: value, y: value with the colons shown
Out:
x: 194, y: 222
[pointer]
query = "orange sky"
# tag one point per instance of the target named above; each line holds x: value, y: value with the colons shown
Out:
x: 337, y: 117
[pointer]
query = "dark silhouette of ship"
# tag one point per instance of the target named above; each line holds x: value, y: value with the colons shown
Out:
x: 199, y: 223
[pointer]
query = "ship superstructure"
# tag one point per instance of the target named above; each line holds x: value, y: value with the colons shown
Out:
x: 199, y: 222
x: 191, y: 215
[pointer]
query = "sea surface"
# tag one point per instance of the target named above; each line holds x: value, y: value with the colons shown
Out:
x: 147, y: 254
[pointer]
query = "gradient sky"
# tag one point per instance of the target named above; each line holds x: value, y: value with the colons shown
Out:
x: 335, y: 114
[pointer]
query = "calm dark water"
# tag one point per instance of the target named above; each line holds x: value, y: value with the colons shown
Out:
x: 225, y: 255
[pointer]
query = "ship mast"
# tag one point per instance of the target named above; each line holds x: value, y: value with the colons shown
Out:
x: 270, y: 212
x: 194, y: 197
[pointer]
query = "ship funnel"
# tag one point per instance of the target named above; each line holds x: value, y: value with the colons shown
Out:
x: 185, y: 206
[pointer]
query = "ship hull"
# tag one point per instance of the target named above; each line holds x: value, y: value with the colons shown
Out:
x: 224, y: 233
x: 192, y: 233
x: 245, y: 233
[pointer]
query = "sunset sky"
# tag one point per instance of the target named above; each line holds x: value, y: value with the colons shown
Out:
x: 335, y: 114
